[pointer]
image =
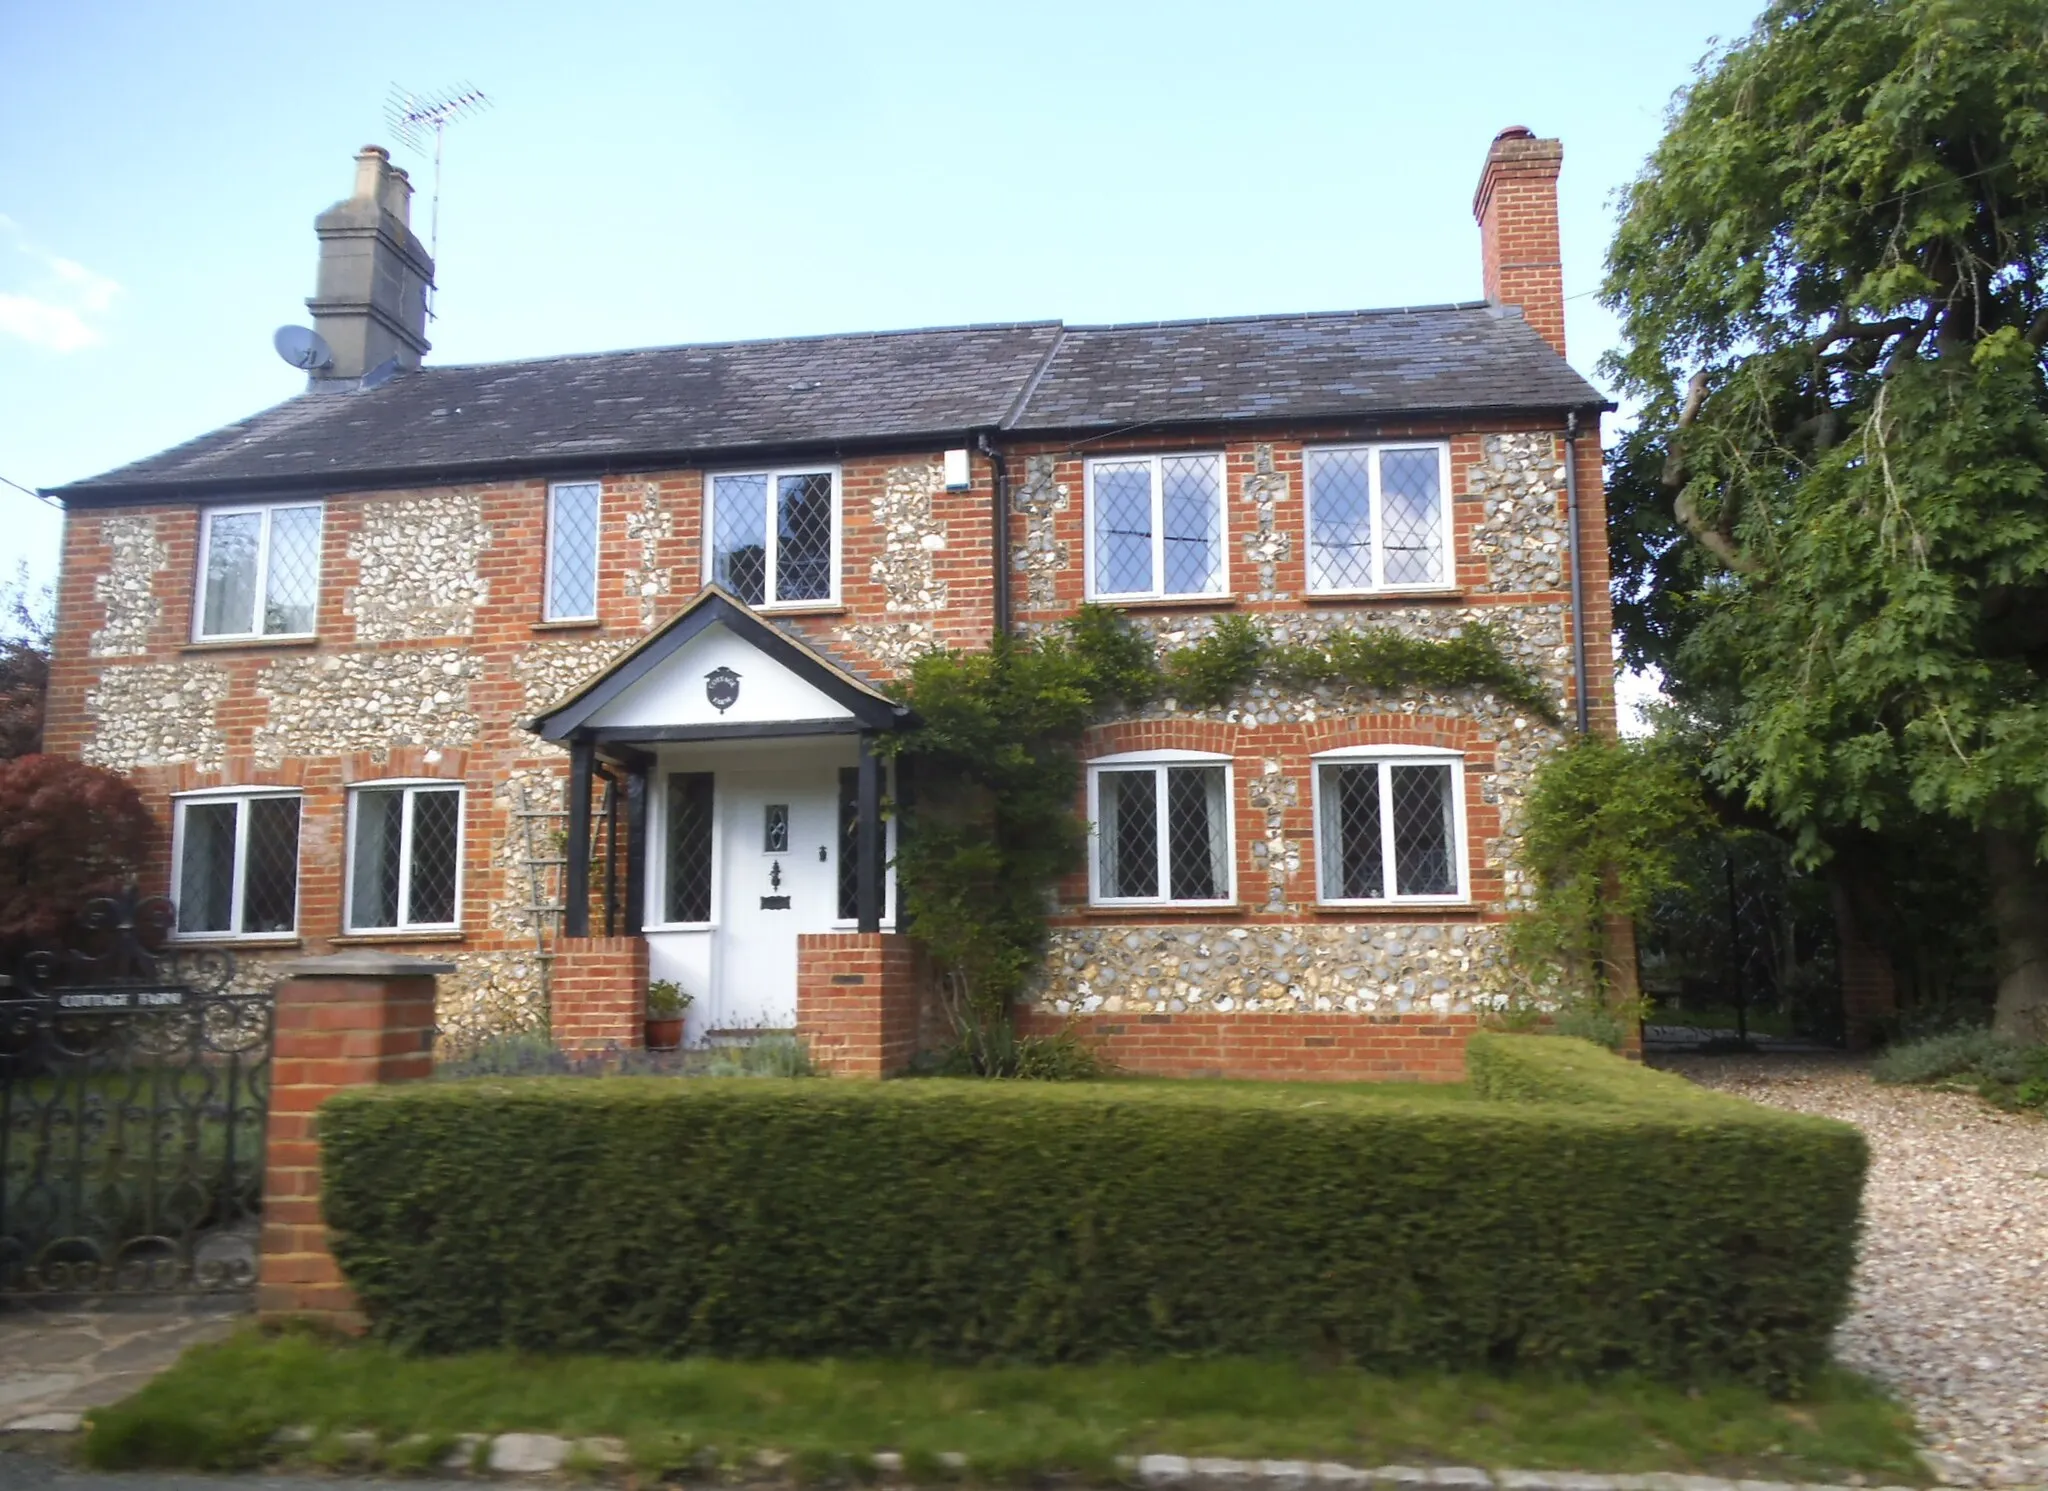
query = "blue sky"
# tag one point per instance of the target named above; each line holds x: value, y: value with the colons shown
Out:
x: 656, y: 173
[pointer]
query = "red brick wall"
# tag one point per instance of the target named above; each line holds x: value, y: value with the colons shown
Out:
x: 1295, y: 1047
x: 859, y: 1001
x: 598, y: 993
x: 1520, y: 251
x: 333, y: 1033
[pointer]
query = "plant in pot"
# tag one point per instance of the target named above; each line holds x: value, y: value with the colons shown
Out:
x: 665, y: 1005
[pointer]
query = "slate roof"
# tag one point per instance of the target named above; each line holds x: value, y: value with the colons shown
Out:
x: 733, y: 400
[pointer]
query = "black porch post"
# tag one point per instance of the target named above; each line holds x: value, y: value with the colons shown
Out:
x: 576, y: 873
x: 637, y: 848
x: 867, y: 842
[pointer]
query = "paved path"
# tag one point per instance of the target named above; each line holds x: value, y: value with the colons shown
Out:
x: 55, y: 1363
x: 1951, y: 1307
x: 19, y: 1472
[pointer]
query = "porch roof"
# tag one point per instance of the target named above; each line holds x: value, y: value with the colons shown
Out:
x: 854, y: 705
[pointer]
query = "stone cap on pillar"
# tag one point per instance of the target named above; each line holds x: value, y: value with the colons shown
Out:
x: 359, y: 963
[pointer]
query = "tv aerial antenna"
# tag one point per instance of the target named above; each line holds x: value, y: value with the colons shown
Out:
x: 411, y: 115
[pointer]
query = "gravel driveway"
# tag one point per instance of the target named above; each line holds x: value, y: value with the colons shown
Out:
x: 1952, y: 1291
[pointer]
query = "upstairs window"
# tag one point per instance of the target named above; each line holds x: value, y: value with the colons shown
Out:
x: 259, y: 572
x: 572, y: 551
x: 1376, y: 517
x: 235, y: 864
x: 405, y: 857
x: 1390, y: 826
x: 1155, y: 527
x: 1162, y: 828
x: 775, y: 536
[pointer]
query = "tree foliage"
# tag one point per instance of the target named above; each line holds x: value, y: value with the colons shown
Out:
x: 24, y: 668
x: 68, y: 832
x: 1830, y: 276
x: 1602, y: 834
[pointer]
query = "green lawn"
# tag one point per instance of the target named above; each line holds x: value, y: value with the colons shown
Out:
x: 220, y: 1406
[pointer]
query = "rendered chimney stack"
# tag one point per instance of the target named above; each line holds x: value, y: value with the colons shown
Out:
x: 371, y: 299
x: 1516, y: 205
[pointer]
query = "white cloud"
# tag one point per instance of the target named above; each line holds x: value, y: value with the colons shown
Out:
x: 55, y: 302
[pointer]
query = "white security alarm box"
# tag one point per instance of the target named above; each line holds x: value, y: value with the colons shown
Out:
x: 956, y: 470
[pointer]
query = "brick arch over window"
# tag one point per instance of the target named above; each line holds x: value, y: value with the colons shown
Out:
x: 1466, y: 736
x: 1161, y: 735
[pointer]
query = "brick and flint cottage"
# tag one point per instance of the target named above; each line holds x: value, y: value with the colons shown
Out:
x: 570, y: 670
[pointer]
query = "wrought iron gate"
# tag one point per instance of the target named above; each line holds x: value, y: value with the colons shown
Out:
x: 133, y: 1093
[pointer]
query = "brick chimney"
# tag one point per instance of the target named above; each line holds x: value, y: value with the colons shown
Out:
x: 371, y: 299
x: 1516, y: 205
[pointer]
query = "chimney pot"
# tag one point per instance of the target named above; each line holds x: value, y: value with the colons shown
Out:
x: 371, y: 162
x: 1516, y: 206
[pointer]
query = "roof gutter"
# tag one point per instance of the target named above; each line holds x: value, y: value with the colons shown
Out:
x: 1581, y: 706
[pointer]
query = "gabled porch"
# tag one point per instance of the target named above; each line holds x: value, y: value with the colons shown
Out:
x: 750, y: 860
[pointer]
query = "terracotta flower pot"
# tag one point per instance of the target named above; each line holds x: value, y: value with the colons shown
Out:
x: 664, y: 1035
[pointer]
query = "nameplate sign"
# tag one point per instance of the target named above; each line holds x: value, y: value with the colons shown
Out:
x: 118, y: 1001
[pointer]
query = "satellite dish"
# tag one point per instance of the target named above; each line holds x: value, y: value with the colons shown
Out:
x: 303, y: 347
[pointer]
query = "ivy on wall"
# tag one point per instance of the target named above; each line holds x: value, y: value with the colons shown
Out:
x: 1602, y: 834
x: 996, y: 756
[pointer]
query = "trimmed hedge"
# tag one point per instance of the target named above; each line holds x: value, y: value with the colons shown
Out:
x: 978, y: 1221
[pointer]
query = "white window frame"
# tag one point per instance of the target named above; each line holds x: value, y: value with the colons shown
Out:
x: 412, y: 786
x: 773, y: 529
x: 548, y: 610
x: 1159, y: 760
x: 1384, y: 757
x: 1222, y: 585
x: 652, y: 915
x: 242, y: 797
x: 206, y: 517
x: 1447, y: 560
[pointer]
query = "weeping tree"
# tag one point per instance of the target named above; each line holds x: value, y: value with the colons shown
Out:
x: 1830, y: 277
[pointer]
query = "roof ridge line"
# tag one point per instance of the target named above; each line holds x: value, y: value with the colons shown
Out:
x: 1023, y: 400
x: 1276, y: 316
x: 814, y: 336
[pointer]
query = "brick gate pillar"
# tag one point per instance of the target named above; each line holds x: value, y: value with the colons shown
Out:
x: 355, y: 1019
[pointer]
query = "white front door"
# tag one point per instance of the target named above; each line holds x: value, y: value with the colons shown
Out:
x: 779, y: 867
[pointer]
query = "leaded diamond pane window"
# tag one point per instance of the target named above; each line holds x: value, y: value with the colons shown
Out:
x: 849, y: 846
x: 572, y: 550
x: 739, y: 536
x: 773, y: 535
x: 1156, y: 526
x: 803, y: 550
x: 1123, y: 527
x: 849, y: 843
x: 1376, y: 517
x: 1162, y: 833
x: 687, y: 869
x: 1354, y: 862
x: 260, y: 572
x: 405, y: 857
x: 236, y: 865
x: 1374, y: 816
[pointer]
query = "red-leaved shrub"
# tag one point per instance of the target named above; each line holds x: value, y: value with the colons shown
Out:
x: 68, y: 832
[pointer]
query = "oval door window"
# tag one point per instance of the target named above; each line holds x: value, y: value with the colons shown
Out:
x: 775, y: 829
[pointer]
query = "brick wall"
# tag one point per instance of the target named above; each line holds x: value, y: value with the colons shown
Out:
x: 1295, y: 1047
x: 859, y: 1001
x: 361, y: 1021
x: 598, y: 993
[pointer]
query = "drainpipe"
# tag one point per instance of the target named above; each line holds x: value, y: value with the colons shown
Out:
x: 1571, y: 507
x: 999, y: 518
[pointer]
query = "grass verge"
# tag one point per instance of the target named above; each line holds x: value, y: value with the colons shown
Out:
x: 221, y: 1405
